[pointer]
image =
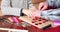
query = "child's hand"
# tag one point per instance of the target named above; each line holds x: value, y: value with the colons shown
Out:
x: 27, y: 12
x: 43, y: 6
x: 35, y: 14
x: 32, y: 13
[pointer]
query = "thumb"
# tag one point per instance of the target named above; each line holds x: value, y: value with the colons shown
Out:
x: 40, y: 6
x: 44, y: 8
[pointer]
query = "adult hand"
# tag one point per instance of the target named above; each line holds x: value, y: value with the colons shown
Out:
x: 43, y: 6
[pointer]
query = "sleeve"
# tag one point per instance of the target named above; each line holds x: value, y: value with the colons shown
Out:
x: 8, y: 10
x: 30, y: 4
x: 52, y: 14
x: 54, y: 3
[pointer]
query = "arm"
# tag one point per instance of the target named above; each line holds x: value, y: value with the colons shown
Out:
x: 51, y: 14
x: 54, y: 13
x: 54, y: 3
x: 8, y: 10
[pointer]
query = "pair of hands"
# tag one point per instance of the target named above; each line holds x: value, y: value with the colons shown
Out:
x: 33, y: 12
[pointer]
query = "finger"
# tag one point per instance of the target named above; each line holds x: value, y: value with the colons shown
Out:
x: 32, y: 15
x: 44, y: 8
x: 29, y: 14
x: 40, y: 6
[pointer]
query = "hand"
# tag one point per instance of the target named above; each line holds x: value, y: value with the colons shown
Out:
x: 43, y: 6
x: 27, y: 12
x: 35, y: 14
x: 30, y: 11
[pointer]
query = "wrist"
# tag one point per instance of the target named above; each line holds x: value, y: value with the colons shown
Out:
x: 24, y: 11
x: 21, y: 12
